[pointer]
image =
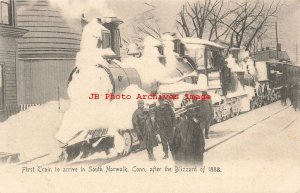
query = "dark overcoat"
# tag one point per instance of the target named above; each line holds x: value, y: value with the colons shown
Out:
x: 138, y: 122
x: 189, y: 143
x: 150, y: 132
x: 165, y: 119
x: 296, y: 100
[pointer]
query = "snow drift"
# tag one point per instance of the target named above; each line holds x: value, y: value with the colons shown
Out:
x: 32, y: 132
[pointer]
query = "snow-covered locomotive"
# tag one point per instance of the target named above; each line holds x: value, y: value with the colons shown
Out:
x: 171, y: 66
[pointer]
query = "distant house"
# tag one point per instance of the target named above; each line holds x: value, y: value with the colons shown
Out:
x: 47, y: 52
x: 270, y: 54
x: 9, y: 34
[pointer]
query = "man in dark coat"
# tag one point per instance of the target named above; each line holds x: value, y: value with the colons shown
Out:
x: 150, y: 138
x: 189, y: 142
x: 138, y: 120
x: 283, y: 93
x: 296, y: 100
x: 225, y: 77
x: 166, y: 122
x: 204, y: 113
x: 290, y: 93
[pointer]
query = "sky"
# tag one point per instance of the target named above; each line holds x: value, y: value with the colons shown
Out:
x: 167, y: 10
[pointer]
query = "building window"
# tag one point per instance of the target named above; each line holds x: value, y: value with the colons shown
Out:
x: 106, y: 40
x: 5, y: 12
x: 1, y: 86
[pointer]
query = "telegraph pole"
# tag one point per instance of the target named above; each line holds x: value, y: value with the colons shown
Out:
x: 297, y: 53
x: 276, y: 38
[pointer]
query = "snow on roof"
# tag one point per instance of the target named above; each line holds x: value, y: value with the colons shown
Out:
x: 167, y: 37
x: 200, y: 41
x: 194, y: 46
x: 110, y: 19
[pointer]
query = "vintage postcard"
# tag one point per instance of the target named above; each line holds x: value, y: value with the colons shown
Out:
x: 159, y: 96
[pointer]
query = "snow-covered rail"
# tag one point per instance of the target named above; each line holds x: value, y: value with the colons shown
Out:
x: 223, y: 140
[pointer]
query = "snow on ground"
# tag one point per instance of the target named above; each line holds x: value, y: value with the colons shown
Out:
x: 32, y: 132
x: 264, y: 158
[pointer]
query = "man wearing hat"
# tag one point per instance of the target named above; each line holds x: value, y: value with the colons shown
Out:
x: 138, y: 120
x: 204, y: 113
x: 189, y: 142
x: 166, y: 122
x: 225, y: 77
x: 150, y: 138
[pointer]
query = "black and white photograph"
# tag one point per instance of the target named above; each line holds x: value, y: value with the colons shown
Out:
x: 159, y: 96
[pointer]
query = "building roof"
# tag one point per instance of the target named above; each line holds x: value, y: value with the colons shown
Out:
x: 201, y: 42
x: 270, y: 54
x: 49, y: 34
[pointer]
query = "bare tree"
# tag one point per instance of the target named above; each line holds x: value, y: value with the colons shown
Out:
x: 146, y: 24
x: 239, y: 23
x: 194, y: 17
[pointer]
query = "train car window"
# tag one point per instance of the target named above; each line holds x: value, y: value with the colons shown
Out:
x: 210, y: 59
x: 106, y: 39
x: 196, y: 53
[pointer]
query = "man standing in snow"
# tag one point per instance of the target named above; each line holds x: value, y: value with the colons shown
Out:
x: 138, y: 120
x: 296, y: 99
x: 205, y: 113
x: 166, y: 122
x: 150, y: 138
x: 189, y: 142
x: 225, y: 77
x: 283, y: 93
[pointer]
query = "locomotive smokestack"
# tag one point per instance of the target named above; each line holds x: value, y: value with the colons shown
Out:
x: 112, y: 24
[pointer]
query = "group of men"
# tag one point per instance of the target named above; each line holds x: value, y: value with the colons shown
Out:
x: 183, y: 137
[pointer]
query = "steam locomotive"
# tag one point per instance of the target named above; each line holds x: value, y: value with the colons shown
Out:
x: 194, y: 55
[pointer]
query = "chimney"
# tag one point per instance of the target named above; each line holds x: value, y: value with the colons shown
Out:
x: 112, y: 24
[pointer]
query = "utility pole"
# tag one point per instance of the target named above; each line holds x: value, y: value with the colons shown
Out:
x: 297, y: 53
x: 276, y: 38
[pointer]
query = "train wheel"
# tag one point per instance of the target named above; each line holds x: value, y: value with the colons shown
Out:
x: 128, y: 143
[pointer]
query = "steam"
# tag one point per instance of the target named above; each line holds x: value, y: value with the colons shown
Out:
x: 73, y: 9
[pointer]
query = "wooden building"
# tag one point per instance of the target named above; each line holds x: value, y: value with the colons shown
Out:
x: 47, y: 52
x: 9, y: 34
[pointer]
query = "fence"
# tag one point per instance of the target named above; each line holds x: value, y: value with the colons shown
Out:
x: 14, y: 109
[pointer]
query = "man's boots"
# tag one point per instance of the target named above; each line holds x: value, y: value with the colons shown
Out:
x: 151, y: 155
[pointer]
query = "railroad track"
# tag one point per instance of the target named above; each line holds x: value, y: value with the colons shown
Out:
x: 109, y: 160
